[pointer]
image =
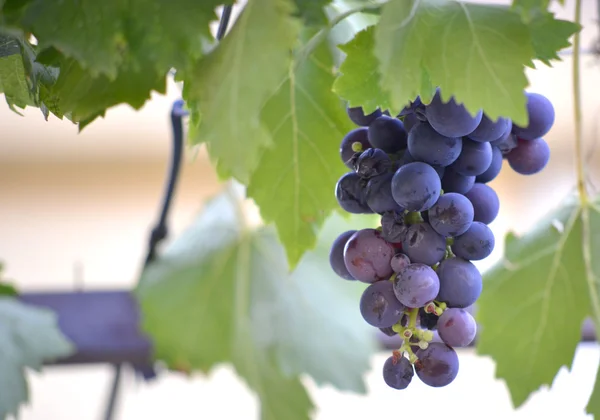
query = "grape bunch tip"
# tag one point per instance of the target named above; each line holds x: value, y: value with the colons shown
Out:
x: 426, y: 173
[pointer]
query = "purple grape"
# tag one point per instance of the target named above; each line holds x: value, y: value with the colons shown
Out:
x: 336, y: 255
x: 350, y: 192
x: 427, y: 320
x: 388, y: 134
x: 416, y: 285
x: 379, y: 306
x: 437, y: 365
x: 451, y: 119
x: 474, y: 159
x: 451, y: 215
x: 486, y: 203
x: 416, y: 186
x: 506, y: 143
x: 398, y: 375
x: 476, y: 243
x: 427, y: 145
x: 460, y: 282
x: 455, y: 182
x: 393, y: 227
x: 358, y: 135
x: 368, y: 256
x: 379, y: 194
x: 358, y: 117
x: 410, y: 121
x: 399, y: 261
x: 371, y: 163
x: 494, y: 169
x: 541, y: 117
x: 422, y: 244
x: 529, y: 157
x: 489, y: 130
x: 457, y: 327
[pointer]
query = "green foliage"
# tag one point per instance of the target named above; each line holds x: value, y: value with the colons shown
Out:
x: 535, y: 300
x: 361, y: 85
x: 593, y: 406
x: 223, y: 293
x: 28, y: 337
x: 306, y: 121
x: 550, y: 35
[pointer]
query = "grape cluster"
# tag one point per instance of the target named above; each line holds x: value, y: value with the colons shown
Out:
x: 425, y: 172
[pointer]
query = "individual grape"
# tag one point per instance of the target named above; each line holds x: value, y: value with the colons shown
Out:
x: 379, y: 194
x: 451, y: 119
x: 389, y: 331
x: 474, y: 159
x: 371, y: 163
x: 427, y: 145
x: 437, y: 365
x: 506, y: 143
x: 457, y: 327
x: 495, y: 167
x: 350, y: 192
x: 428, y: 321
x: 416, y: 285
x: 336, y: 255
x: 460, y: 282
x: 367, y: 256
x: 399, y: 261
x: 358, y: 135
x: 408, y: 158
x: 457, y: 183
x: 379, y: 305
x: 422, y: 244
x: 358, y: 117
x: 393, y: 227
x: 416, y: 186
x: 486, y: 203
x: 451, y: 215
x: 476, y: 243
x: 489, y: 130
x: 388, y: 134
x: 410, y: 121
x: 398, y: 375
x: 541, y: 117
x: 529, y: 157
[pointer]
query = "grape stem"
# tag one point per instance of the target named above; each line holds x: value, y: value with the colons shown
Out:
x: 579, y: 161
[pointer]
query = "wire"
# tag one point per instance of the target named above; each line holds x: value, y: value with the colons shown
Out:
x: 224, y: 22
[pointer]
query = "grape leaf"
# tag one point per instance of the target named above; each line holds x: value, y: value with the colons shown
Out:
x: 231, y: 84
x: 359, y: 82
x: 109, y: 33
x: 28, y: 337
x: 593, y: 406
x: 535, y: 300
x: 312, y: 11
x: 13, y: 75
x: 294, y: 181
x: 480, y: 61
x: 550, y: 35
x: 223, y: 293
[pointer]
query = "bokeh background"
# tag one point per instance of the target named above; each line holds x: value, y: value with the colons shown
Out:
x: 75, y: 213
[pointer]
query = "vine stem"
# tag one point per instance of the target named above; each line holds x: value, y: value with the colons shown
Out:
x: 579, y: 161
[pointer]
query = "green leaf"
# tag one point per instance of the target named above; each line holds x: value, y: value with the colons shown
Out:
x: 294, y: 181
x: 359, y: 82
x: 550, y: 35
x: 481, y: 61
x: 312, y: 11
x: 13, y: 75
x: 593, y: 406
x: 84, y: 97
x: 28, y: 337
x: 7, y: 289
x: 232, y: 83
x: 535, y: 300
x: 223, y: 293
x: 102, y: 36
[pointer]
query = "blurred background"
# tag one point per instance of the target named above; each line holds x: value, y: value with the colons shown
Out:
x: 76, y: 211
